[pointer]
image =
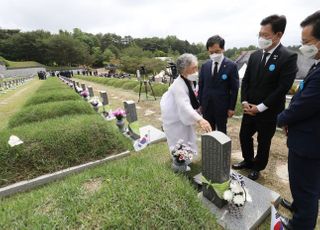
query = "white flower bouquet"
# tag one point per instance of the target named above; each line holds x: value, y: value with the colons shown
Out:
x: 236, y: 195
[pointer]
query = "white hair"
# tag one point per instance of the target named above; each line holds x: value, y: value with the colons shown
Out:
x: 185, y: 60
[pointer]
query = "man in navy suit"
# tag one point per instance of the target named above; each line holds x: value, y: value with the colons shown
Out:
x: 218, y: 86
x: 269, y: 75
x: 301, y: 121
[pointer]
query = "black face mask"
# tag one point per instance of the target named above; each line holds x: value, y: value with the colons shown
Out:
x: 194, y: 102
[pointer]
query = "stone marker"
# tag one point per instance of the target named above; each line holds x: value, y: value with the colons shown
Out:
x: 91, y: 94
x: 216, y: 154
x: 104, y: 96
x: 131, y: 112
x: 254, y: 213
x: 154, y: 135
x: 83, y: 86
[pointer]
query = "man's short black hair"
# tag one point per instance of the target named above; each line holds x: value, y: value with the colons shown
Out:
x: 216, y: 39
x: 278, y: 23
x: 314, y: 20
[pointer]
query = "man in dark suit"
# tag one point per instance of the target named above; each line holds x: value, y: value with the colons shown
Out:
x: 218, y: 86
x: 269, y: 75
x: 301, y: 121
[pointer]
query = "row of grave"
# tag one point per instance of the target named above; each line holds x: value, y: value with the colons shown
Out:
x: 134, y: 131
x: 13, y: 83
x: 216, y: 160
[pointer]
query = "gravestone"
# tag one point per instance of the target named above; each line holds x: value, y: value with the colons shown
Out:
x: 131, y: 112
x: 216, y: 154
x: 77, y: 83
x: 104, y: 96
x: 83, y: 86
x: 91, y: 94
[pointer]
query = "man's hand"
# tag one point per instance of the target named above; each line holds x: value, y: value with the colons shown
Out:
x: 252, y: 110
x: 230, y: 113
x: 205, y: 125
x: 247, y: 109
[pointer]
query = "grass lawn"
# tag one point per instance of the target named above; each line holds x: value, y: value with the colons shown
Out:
x: 13, y: 100
x: 57, y: 133
x: 20, y: 64
x: 140, y: 191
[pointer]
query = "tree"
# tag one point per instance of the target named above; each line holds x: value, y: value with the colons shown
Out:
x: 108, y: 55
x: 67, y: 51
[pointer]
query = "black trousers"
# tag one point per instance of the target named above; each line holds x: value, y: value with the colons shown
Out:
x: 304, y: 178
x: 218, y: 123
x: 265, y: 128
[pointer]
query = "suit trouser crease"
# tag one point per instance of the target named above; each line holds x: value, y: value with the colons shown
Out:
x: 265, y: 130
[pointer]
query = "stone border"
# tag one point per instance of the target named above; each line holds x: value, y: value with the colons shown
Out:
x: 44, y: 179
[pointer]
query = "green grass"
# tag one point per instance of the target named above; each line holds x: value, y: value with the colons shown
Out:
x: 14, y: 100
x: 50, y: 110
x: 51, y: 96
x: 20, y: 64
x: 57, y: 133
x: 129, y: 84
x: 55, y: 144
x: 138, y: 192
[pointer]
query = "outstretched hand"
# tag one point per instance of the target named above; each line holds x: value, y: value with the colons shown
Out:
x: 205, y: 125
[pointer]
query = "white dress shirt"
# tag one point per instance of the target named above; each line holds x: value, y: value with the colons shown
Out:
x: 219, y: 63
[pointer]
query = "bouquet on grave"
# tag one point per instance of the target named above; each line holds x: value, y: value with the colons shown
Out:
x: 119, y: 114
x: 182, y: 156
x: 84, y: 93
x: 236, y: 195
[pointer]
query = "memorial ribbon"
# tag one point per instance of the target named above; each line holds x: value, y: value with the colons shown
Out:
x: 219, y: 188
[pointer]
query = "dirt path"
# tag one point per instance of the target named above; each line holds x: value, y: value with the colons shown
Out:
x: 13, y: 100
x: 275, y: 176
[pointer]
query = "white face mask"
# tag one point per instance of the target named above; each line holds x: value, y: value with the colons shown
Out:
x: 264, y: 43
x: 309, y: 51
x: 193, y: 77
x: 216, y: 57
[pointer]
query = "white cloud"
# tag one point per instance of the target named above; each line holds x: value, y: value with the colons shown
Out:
x: 192, y: 20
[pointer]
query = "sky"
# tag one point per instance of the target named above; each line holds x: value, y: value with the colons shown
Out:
x: 238, y: 22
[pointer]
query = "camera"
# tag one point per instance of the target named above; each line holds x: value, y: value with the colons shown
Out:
x: 173, y: 70
x: 143, y: 70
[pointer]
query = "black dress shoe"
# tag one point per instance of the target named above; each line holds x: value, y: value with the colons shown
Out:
x: 286, y: 222
x: 286, y: 204
x: 254, y: 175
x: 242, y: 165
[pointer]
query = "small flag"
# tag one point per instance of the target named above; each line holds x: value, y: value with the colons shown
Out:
x: 276, y: 223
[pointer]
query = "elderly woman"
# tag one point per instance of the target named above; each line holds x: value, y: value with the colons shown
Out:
x: 179, y: 105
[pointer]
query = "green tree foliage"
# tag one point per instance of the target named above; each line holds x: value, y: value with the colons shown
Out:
x: 81, y: 48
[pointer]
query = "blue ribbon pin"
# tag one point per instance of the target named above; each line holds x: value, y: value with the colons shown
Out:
x: 301, y: 85
x: 224, y: 77
x: 272, y: 67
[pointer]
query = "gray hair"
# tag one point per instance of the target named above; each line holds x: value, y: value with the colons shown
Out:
x: 185, y: 60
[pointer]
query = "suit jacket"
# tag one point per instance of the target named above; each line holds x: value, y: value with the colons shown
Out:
x: 271, y: 86
x: 221, y: 90
x: 303, y: 118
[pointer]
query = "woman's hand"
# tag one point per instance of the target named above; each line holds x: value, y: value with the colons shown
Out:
x: 205, y: 125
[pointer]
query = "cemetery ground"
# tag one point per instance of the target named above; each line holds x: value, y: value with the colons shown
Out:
x: 140, y: 190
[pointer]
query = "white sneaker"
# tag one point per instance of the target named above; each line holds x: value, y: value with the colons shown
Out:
x: 188, y: 169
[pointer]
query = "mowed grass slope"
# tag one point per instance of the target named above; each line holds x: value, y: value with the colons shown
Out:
x: 137, y: 192
x: 56, y: 135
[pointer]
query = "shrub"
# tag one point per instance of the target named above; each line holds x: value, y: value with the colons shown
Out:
x: 130, y: 85
x: 45, y: 111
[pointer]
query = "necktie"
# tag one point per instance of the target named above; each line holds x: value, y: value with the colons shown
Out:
x: 264, y: 58
x: 215, y: 70
x: 262, y: 64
